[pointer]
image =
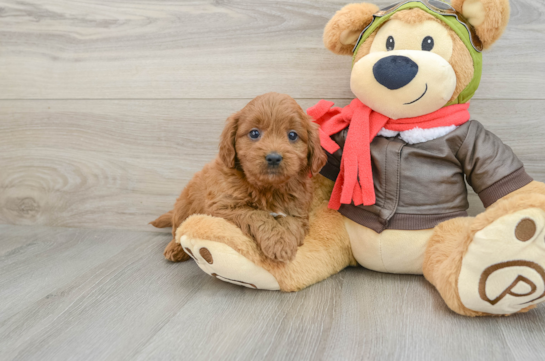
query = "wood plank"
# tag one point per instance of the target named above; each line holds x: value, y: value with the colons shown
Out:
x: 120, y: 164
x: 402, y: 317
x: 377, y: 317
x: 145, y: 49
x: 134, y: 305
x: 248, y: 325
x: 105, y: 312
x: 525, y: 334
x: 13, y: 242
x: 116, y: 152
x: 78, y: 250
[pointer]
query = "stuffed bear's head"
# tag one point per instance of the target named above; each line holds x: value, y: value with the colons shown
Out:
x: 415, y: 57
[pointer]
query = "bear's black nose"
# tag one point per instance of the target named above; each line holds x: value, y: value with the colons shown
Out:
x: 395, y: 71
x: 273, y: 159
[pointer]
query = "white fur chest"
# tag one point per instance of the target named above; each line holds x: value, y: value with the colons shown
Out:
x: 418, y: 135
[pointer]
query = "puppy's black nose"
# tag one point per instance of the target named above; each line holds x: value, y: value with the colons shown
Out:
x: 273, y: 159
x: 395, y: 71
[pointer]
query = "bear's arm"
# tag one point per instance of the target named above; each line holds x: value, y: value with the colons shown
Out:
x: 491, y: 168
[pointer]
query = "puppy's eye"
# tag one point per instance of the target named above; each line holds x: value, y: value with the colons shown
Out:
x: 254, y: 134
x: 390, y: 43
x: 427, y: 43
x: 293, y: 136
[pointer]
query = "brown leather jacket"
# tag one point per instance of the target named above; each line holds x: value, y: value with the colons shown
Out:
x: 419, y: 185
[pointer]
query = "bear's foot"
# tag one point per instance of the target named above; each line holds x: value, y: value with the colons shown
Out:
x: 503, y: 270
x: 223, y: 262
x: 223, y: 251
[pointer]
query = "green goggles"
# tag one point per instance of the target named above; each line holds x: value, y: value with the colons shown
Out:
x: 436, y: 6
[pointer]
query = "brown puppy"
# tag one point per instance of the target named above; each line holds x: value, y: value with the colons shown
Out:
x: 260, y: 180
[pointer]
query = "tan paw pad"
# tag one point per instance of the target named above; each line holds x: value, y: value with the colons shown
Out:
x: 224, y: 263
x: 206, y: 255
x: 503, y: 270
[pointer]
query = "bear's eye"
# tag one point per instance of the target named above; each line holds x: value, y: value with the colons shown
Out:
x: 254, y: 134
x: 390, y: 43
x: 427, y: 43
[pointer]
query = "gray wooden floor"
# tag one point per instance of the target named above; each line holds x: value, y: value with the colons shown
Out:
x: 108, y: 295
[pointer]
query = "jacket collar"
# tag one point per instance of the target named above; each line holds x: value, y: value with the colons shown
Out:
x: 418, y: 135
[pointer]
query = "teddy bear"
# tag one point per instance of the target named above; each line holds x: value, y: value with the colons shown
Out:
x: 392, y: 197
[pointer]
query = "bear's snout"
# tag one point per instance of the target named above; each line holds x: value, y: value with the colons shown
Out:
x: 395, y: 71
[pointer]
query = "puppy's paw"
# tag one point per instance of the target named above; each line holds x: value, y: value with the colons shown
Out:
x: 297, y: 229
x: 283, y: 248
x: 174, y: 252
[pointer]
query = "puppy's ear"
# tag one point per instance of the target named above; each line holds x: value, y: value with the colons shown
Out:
x: 316, y: 155
x: 228, y: 140
x: 344, y: 28
x: 489, y: 17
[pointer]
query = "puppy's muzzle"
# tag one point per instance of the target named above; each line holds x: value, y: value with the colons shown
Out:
x: 273, y: 159
x: 395, y: 71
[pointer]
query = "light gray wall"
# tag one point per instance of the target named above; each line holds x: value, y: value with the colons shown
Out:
x: 108, y: 108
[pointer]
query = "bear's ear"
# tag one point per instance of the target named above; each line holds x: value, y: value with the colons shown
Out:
x: 489, y: 17
x: 344, y: 28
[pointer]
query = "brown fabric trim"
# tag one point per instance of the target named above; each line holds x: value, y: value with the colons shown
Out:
x: 363, y: 217
x: 188, y: 251
x: 225, y: 279
x: 504, y: 186
x: 398, y: 221
x: 509, y: 290
x: 421, y: 221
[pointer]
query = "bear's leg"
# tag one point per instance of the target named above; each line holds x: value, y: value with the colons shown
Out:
x: 493, y: 264
x: 223, y: 251
x: 391, y: 251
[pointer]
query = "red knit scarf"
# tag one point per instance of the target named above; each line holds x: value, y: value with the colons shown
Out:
x: 355, y: 180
